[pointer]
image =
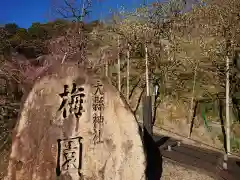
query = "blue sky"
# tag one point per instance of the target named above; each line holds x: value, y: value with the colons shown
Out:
x: 24, y: 12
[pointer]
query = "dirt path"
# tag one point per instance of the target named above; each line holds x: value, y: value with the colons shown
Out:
x: 173, y: 171
x: 203, y: 160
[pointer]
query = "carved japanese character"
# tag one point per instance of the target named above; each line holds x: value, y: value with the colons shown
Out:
x: 97, y: 127
x: 72, y: 101
x: 98, y: 103
x: 69, y: 155
x: 99, y: 88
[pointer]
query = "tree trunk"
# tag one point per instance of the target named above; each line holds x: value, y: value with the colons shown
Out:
x: 119, y: 67
x: 82, y: 13
x: 146, y: 63
x: 128, y: 71
x: 106, y: 65
x: 106, y: 69
x: 227, y: 107
x: 193, y: 92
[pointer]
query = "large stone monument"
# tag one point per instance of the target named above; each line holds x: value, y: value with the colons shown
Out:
x: 74, y: 126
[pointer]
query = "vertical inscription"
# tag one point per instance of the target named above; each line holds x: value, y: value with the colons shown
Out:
x: 70, y: 150
x: 98, y: 108
x: 69, y: 156
x: 72, y: 101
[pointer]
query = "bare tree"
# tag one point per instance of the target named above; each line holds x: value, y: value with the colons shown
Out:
x: 73, y: 9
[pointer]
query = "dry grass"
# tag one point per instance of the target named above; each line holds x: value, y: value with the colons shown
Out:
x: 4, y: 159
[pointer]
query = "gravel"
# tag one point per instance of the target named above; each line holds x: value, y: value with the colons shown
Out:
x: 172, y: 171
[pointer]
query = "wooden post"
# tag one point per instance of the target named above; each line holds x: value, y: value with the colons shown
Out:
x: 147, y: 101
x: 147, y: 115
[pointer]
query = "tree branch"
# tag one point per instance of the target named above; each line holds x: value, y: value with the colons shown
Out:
x: 139, y: 100
x: 133, y: 89
x: 72, y: 10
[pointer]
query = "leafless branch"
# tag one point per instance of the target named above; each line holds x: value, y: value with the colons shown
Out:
x: 139, y: 100
x: 134, y: 87
x: 74, y: 10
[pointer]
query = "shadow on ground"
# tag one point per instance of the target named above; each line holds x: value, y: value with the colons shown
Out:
x: 238, y: 163
x: 154, y: 157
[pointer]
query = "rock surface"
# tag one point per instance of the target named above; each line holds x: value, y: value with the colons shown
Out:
x: 87, y: 132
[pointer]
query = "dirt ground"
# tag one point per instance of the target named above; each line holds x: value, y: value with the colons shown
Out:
x: 172, y: 171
